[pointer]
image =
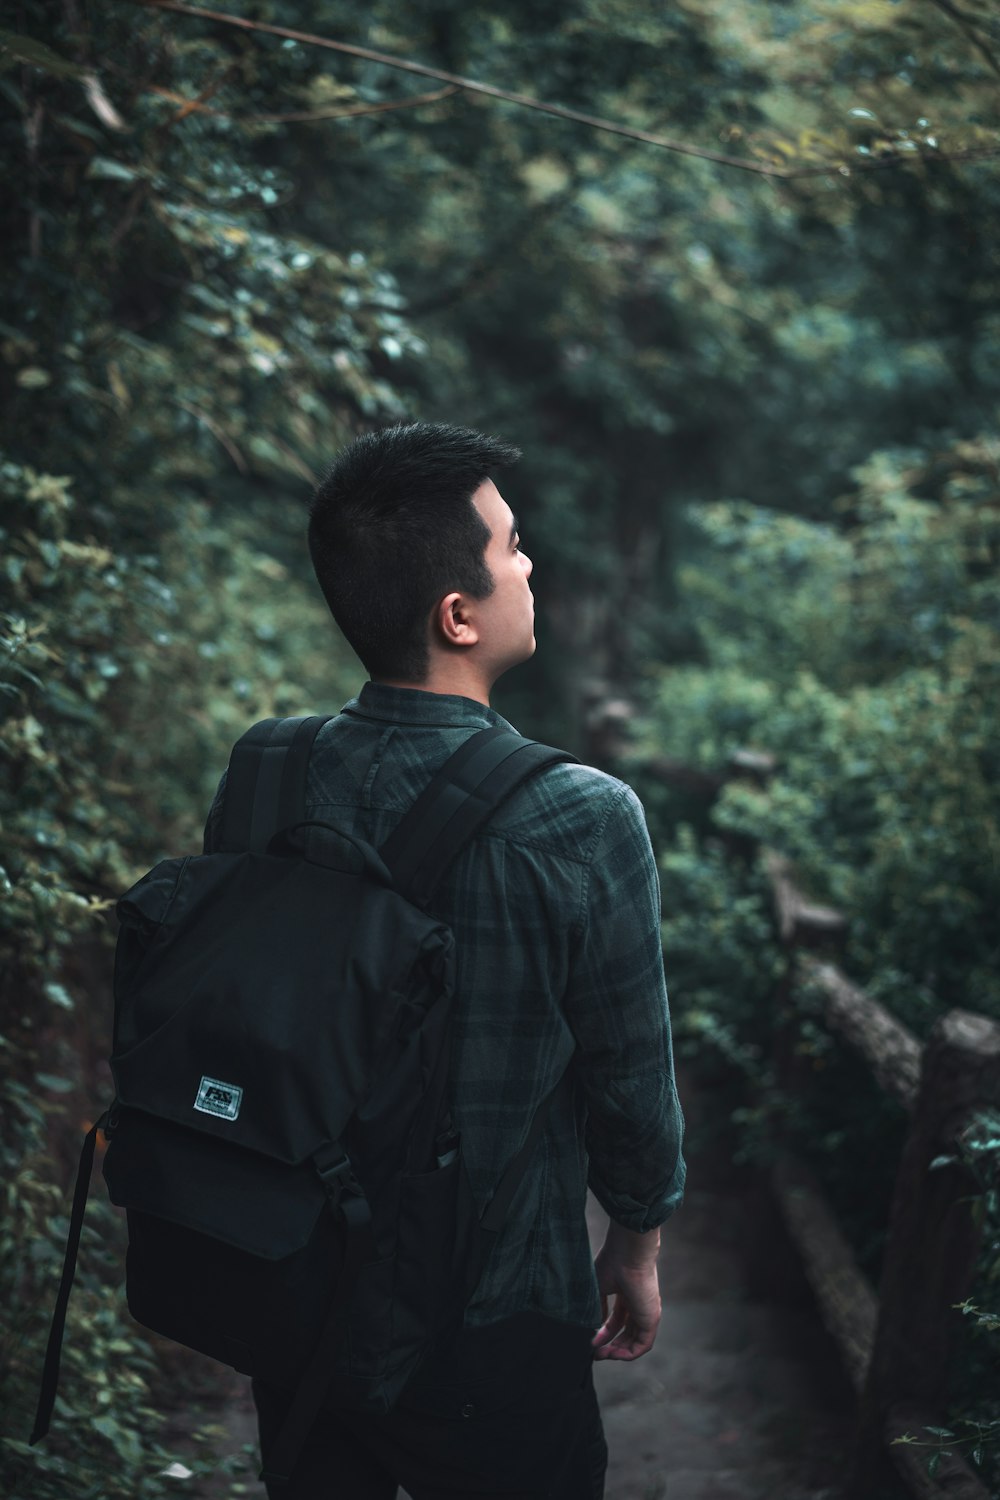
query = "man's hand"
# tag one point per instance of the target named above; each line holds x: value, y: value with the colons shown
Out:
x: 626, y: 1270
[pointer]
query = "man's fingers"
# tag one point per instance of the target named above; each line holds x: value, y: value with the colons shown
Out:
x: 621, y: 1336
x: 612, y: 1325
x: 628, y: 1343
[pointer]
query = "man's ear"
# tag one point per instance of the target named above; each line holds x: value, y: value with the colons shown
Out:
x: 452, y: 622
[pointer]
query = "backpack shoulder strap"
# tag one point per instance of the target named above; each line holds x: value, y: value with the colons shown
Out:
x: 464, y: 794
x: 266, y: 781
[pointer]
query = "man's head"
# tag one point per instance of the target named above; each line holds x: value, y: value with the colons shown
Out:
x: 416, y: 552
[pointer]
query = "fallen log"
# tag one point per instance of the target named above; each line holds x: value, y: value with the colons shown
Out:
x: 846, y: 1299
x: 888, y: 1047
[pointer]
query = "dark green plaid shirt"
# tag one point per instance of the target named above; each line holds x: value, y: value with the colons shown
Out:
x: 555, y: 908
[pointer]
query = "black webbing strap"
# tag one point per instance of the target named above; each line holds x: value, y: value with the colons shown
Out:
x: 266, y: 781
x: 417, y: 829
x: 315, y: 1381
x: 465, y: 792
x: 50, y: 1370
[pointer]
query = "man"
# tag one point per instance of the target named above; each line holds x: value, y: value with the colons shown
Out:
x: 555, y: 911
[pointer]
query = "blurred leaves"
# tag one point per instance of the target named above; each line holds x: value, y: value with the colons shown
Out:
x: 759, y: 424
x: 35, y: 54
x: 173, y: 371
x: 864, y: 655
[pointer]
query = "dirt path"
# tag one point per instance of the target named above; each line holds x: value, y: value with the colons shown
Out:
x: 742, y: 1397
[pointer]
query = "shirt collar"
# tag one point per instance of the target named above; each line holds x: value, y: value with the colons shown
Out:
x: 396, y: 705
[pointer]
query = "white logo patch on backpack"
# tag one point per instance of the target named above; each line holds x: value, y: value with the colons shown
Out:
x: 218, y: 1098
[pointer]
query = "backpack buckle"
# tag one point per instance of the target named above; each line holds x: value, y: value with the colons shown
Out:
x: 333, y: 1166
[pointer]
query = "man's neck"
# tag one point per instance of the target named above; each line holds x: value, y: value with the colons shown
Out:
x: 447, y: 677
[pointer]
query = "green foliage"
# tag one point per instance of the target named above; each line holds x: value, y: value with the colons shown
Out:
x: 979, y: 1424
x: 71, y: 606
x: 865, y: 659
x: 98, y: 672
x: 720, y: 954
x: 651, y: 328
x: 205, y: 295
x: 969, y: 1438
x: 173, y: 371
x: 108, y: 1436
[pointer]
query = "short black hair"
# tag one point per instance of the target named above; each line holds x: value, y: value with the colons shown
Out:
x: 392, y: 529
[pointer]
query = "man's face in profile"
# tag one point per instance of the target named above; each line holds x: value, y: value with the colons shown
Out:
x: 506, y: 619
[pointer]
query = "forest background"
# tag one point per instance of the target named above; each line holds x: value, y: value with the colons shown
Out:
x: 755, y: 376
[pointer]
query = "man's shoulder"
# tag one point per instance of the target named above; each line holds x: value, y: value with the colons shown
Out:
x: 565, y: 809
x: 561, y: 810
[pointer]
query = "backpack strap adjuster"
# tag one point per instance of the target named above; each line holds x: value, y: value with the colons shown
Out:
x: 333, y: 1167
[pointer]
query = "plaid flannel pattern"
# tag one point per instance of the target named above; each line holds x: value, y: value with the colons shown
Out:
x: 555, y: 907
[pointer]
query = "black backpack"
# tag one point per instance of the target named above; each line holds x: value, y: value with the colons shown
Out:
x: 296, y: 1195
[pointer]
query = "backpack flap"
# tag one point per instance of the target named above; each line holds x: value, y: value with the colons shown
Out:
x: 229, y: 1254
x: 235, y: 1196
x: 261, y: 995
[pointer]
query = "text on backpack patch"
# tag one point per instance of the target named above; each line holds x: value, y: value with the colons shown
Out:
x: 217, y: 1098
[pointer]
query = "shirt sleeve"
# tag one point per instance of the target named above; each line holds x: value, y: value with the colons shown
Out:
x: 617, y: 1007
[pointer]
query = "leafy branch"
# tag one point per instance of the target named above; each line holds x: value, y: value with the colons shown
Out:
x: 303, y: 116
x: 527, y: 101
x: 944, y: 1441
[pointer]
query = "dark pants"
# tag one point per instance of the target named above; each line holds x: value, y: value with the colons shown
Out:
x: 507, y: 1411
